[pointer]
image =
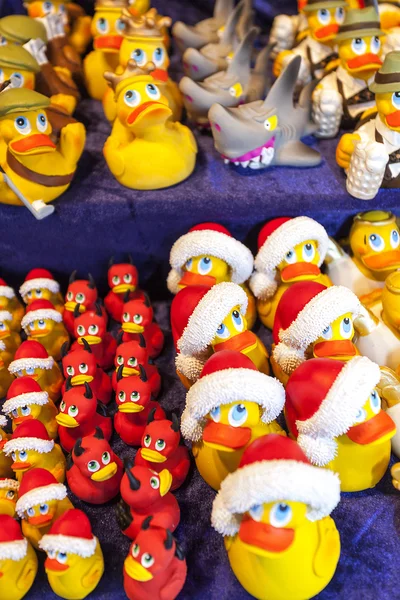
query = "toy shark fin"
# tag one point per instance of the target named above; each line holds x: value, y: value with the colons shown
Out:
x: 240, y: 65
x: 222, y: 10
x: 281, y: 93
x: 260, y: 76
x: 229, y: 33
x: 246, y: 20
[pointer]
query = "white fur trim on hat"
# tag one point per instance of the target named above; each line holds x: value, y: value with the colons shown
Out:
x: 2, y: 345
x: 5, y: 316
x: 3, y: 421
x: 338, y: 411
x: 38, y: 398
x: 172, y: 281
x: 70, y: 544
x: 209, y: 314
x: 28, y: 443
x: 311, y: 321
x: 15, y: 550
x: 190, y: 366
x: 43, y: 313
x: 9, y: 484
x: 6, y: 291
x: 274, y: 481
x: 224, y: 387
x: 41, y: 282
x: 35, y: 363
x: 277, y: 245
x: 40, y: 495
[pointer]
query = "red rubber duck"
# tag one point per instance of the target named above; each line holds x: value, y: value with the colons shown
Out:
x: 123, y: 280
x: 94, y: 472
x: 92, y: 326
x: 134, y: 403
x: 137, y: 317
x: 146, y: 493
x: 82, y: 292
x: 81, y: 366
x: 155, y: 566
x: 78, y: 417
x: 161, y: 450
x: 130, y: 355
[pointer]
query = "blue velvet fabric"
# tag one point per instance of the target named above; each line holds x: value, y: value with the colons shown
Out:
x: 96, y: 218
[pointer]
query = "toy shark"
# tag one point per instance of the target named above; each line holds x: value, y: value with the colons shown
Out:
x: 204, y: 32
x: 268, y: 132
x: 229, y: 88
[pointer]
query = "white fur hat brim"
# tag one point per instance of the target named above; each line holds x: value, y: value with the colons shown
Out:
x: 69, y: 544
x: 5, y: 316
x: 3, y: 421
x: 38, y: 398
x: 6, y: 292
x: 39, y: 283
x: 274, y: 481
x: 226, y: 386
x: 40, y: 495
x: 44, y: 313
x: 190, y: 366
x: 31, y: 363
x: 15, y: 550
x: 28, y: 443
x: 9, y: 484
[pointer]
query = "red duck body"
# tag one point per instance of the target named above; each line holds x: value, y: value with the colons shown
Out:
x: 104, y: 351
x: 69, y: 436
x: 130, y: 427
x: 153, y: 336
x: 123, y: 281
x: 178, y: 465
x: 153, y: 376
x: 114, y: 302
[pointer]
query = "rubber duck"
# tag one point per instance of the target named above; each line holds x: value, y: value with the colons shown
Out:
x: 80, y: 367
x: 41, y: 501
x: 374, y: 241
x: 334, y: 410
x: 5, y: 461
x: 143, y: 136
x: 82, y: 292
x: 123, y: 278
x: 145, y: 494
x: 95, y: 472
x: 281, y: 541
x: 209, y: 254
x: 31, y: 447
x: 10, y: 338
x: 138, y: 317
x: 39, y: 284
x: 131, y: 356
x: 161, y: 449
x: 44, y: 323
x: 25, y: 401
x: 221, y: 426
x: 206, y: 320
x: 155, y: 566
x: 133, y: 397
x: 92, y: 327
x: 74, y: 563
x: 8, y: 496
x: 19, y: 29
x: 10, y: 303
x: 204, y: 32
x: 289, y: 251
x: 18, y: 65
x: 18, y: 560
x: 6, y: 378
x: 25, y: 148
x: 342, y: 97
x: 31, y: 359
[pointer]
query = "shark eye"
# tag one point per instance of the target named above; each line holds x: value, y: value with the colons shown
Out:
x: 73, y: 410
x: 147, y: 560
x: 83, y: 368
x: 158, y: 56
x: 106, y: 457
x: 135, y: 396
x: 120, y: 360
x: 25, y: 411
x: 93, y: 329
x: 132, y: 362
x: 375, y: 45
x: 62, y: 406
x: 132, y: 97
x: 396, y: 100
x: 152, y: 91
x: 139, y: 56
x: 80, y: 297
x: 41, y: 122
x: 70, y: 296
x: 93, y: 466
x: 327, y: 333
x: 135, y: 550
x: 102, y: 25
x: 44, y: 509
x: 358, y: 46
x: 236, y: 90
x: 155, y: 483
x: 81, y: 330
x: 205, y: 265
x: 223, y: 331
x: 215, y: 414
x: 256, y: 512
x: 237, y: 415
x: 280, y: 515
x: 115, y: 280
x: 70, y: 370
x: 376, y: 241
x: 394, y: 239
x: 137, y: 319
x: 127, y: 278
x: 22, y: 125
x: 346, y: 328
x: 126, y: 317
x: 122, y: 396
x: 147, y: 440
x: 375, y: 402
x: 160, y: 444
x: 324, y: 16
x: 271, y: 123
x: 308, y: 252
x: 237, y: 320
x: 290, y: 257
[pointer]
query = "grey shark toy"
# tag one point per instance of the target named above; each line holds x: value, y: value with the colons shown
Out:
x: 204, y: 32
x: 267, y: 132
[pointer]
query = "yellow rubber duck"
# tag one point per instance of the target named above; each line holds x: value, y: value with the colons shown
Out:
x: 390, y: 303
x: 145, y: 149
x: 18, y: 561
x: 39, y: 284
x: 8, y: 496
x: 44, y: 323
x: 10, y: 303
x: 289, y: 251
x: 389, y: 11
x: 10, y: 338
x: 6, y: 378
x: 26, y: 150
x: 5, y: 461
x: 221, y: 427
x: 74, y: 564
x: 280, y: 545
x: 139, y: 7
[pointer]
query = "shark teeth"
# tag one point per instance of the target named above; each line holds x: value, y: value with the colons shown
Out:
x: 262, y: 160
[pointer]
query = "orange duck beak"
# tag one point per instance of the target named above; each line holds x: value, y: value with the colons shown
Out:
x: 108, y: 42
x: 38, y: 143
x: 391, y: 258
x: 328, y: 32
x: 335, y: 349
x: 364, y: 62
x: 196, y: 279
x: 51, y: 564
x: 20, y: 466
x: 225, y: 437
x: 377, y: 430
x: 40, y: 521
x: 264, y: 538
x: 301, y: 269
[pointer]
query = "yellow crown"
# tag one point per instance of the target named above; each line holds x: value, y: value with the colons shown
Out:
x: 111, y: 4
x: 149, y: 25
x: 132, y: 70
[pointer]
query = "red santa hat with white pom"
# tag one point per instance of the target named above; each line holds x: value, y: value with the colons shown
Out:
x: 31, y: 355
x: 5, y: 290
x: 3, y: 421
x: 37, y: 310
x: 23, y: 392
x: 275, y: 240
x: 30, y: 435
x: 13, y: 545
x: 38, y: 279
x: 71, y: 533
x: 38, y: 486
x: 210, y: 239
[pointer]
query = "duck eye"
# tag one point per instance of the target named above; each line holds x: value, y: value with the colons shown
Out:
x: 237, y: 320
x: 237, y: 415
x: 41, y: 122
x: 81, y: 330
x: 38, y: 293
x: 25, y: 411
x: 23, y: 455
x: 147, y: 440
x: 155, y: 483
x: 346, y: 328
x: 375, y: 402
x: 115, y: 280
x: 44, y: 509
x: 126, y: 317
x: 375, y: 45
x: 83, y: 368
x: 30, y: 512
x: 160, y: 444
x: 189, y: 264
x: 339, y: 15
x: 93, y: 329
x: 120, y: 360
x: 327, y: 333
x: 73, y: 411
x: 41, y: 324
x: 223, y: 331
x: 2, y: 327
x: 396, y: 100
x: 394, y: 239
x: 22, y: 125
x: 121, y: 396
x: 360, y: 416
x: 93, y: 466
x: 139, y: 56
x: 291, y: 257
x: 106, y: 457
x: 358, y: 46
x: 102, y: 25
x: 280, y: 515
x: 15, y: 412
x: 70, y: 370
x: 62, y: 557
x: 215, y: 414
x: 147, y: 560
x: 132, y: 362
x: 152, y: 91
x: 137, y: 319
x: 132, y: 97
x: 158, y: 56
x: 376, y: 241
x: 119, y: 25
x: 256, y: 512
x: 62, y: 405
x: 135, y: 396
x: 127, y: 278
x: 80, y: 297
x: 135, y: 550
x: 324, y: 16
x: 70, y: 295
x: 10, y: 495
x: 308, y: 252
x: 47, y: 7
x: 205, y: 265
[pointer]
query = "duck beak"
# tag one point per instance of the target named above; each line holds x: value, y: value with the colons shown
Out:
x: 393, y: 120
x: 365, y: 62
x: 66, y: 421
x: 21, y: 466
x: 108, y: 42
x: 41, y: 520
x: 328, y: 32
x: 377, y: 430
x: 70, y: 307
x: 152, y: 455
x: 106, y: 472
x: 265, y: 539
x: 81, y: 379
x: 130, y: 407
x: 92, y: 340
x: 132, y: 328
x: 20, y: 420
x: 127, y: 371
x: 196, y: 279
x: 240, y: 342
x: 335, y: 349
x: 156, y: 112
x: 136, y: 571
x: 383, y: 260
x: 39, y: 333
x: 55, y: 568
x: 165, y: 482
x: 122, y: 288
x: 301, y: 270
x: 4, y: 334
x: 225, y: 438
x: 38, y: 143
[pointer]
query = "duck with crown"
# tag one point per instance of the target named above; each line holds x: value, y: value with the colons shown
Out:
x: 273, y: 512
x: 145, y: 149
x: 10, y: 303
x: 208, y: 254
x: 18, y: 561
x: 289, y: 251
x: 42, y: 322
x: 221, y: 426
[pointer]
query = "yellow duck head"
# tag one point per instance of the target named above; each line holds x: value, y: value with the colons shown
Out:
x: 27, y: 133
x: 40, y: 9
x: 391, y: 301
x: 8, y: 496
x: 233, y: 325
x: 5, y: 461
x: 5, y: 322
x: 40, y: 284
x: 42, y: 322
x: 107, y: 27
x: 17, y: 65
x: 204, y: 270
x: 300, y: 263
x: 18, y: 560
x: 324, y: 19
x: 330, y: 343
x: 26, y: 401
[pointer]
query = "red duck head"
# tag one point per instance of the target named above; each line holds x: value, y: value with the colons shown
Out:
x: 79, y: 365
x: 122, y: 277
x: 141, y: 487
x: 78, y: 405
x: 82, y: 292
x: 94, y: 458
x: 91, y: 325
x: 130, y: 355
x: 137, y: 315
x: 160, y: 438
x: 133, y: 393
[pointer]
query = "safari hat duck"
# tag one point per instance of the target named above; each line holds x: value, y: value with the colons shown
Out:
x: 8, y: 496
x: 19, y: 29
x: 44, y: 323
x: 19, y: 65
x: 18, y: 560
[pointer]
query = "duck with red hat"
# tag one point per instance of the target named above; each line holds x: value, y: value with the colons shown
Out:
x: 205, y: 320
x: 18, y: 561
x: 6, y: 378
x: 8, y: 496
x: 42, y: 322
x: 10, y: 303
x: 11, y: 340
x: 32, y: 359
x: 274, y: 514
x: 208, y: 254
x: 289, y: 250
x: 228, y: 407
x: 5, y: 461
x: 74, y: 564
x: 39, y: 284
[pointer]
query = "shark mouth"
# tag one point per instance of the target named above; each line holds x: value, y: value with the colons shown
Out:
x: 259, y: 158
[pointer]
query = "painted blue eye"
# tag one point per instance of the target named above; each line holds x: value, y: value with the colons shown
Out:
x: 23, y: 455
x: 394, y: 239
x: 327, y: 333
x: 30, y: 512
x: 376, y: 241
x: 360, y: 416
x: 223, y: 331
x: 346, y: 328
x: 324, y: 16
x: 47, y: 7
x: 44, y: 509
x: 158, y: 56
x: 358, y: 46
x: 237, y: 415
x: 205, y: 265
x: 3, y: 41
x: 375, y: 402
x: 396, y: 100
x: 215, y: 414
x: 30, y: 370
x: 308, y: 252
x: 119, y: 25
x: 17, y: 79
x: 22, y: 125
x: 189, y: 264
x: 25, y: 411
x: 291, y: 257
x: 237, y: 320
x: 132, y: 98
x: 14, y: 413
x: 41, y: 122
x: 256, y: 512
x: 339, y: 15
x: 2, y: 327
x: 62, y: 557
x: 152, y: 91
x: 102, y: 25
x: 280, y: 515
x: 375, y: 45
x: 139, y: 56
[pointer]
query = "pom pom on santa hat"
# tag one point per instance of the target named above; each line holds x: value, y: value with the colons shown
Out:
x: 39, y: 279
x: 30, y: 435
x: 38, y: 486
x: 229, y: 376
x: 31, y: 355
x: 210, y: 239
x: 275, y: 240
x: 22, y: 392
x: 273, y: 469
x: 71, y: 533
x: 5, y: 290
x: 13, y: 545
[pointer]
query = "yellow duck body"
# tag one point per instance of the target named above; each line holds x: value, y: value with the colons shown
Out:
x: 50, y: 380
x: 15, y: 308
x: 17, y: 576
x: 8, y: 497
x: 53, y: 461
x: 52, y: 337
x: 44, y: 294
x: 5, y: 461
x: 95, y: 64
x: 34, y: 533
x: 45, y: 413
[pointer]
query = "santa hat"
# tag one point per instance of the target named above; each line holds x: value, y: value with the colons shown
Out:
x: 323, y: 399
x: 5, y: 316
x: 23, y: 392
x: 71, y: 533
x: 5, y: 290
x: 13, y: 545
x: 273, y: 469
x: 304, y: 311
x: 229, y: 376
x: 30, y: 435
x: 275, y: 240
x: 3, y: 421
x: 214, y: 240
x: 9, y: 484
x: 31, y: 354
x: 40, y: 309
x: 37, y: 279
x: 37, y: 487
